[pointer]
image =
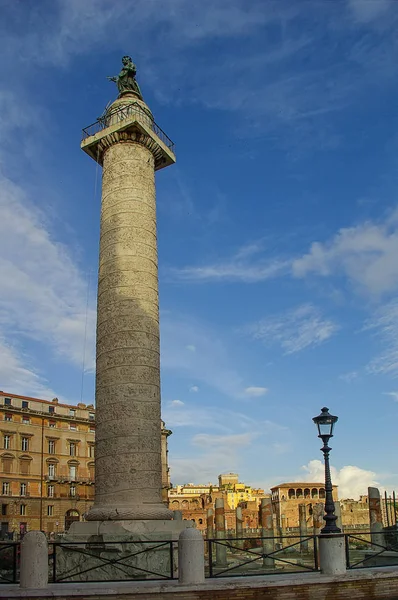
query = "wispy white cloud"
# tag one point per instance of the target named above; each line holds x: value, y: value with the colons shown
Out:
x: 194, y: 388
x: 174, y: 403
x: 246, y: 265
x: 365, y: 254
x: 385, y: 324
x: 207, y: 440
x: 212, y: 455
x: 210, y: 363
x: 16, y: 374
x: 368, y: 10
x: 191, y: 348
x: 294, y: 330
x: 349, y: 377
x: 255, y: 392
x: 43, y: 294
x: 394, y: 395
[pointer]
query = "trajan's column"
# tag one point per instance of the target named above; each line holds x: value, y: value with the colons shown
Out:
x: 130, y: 147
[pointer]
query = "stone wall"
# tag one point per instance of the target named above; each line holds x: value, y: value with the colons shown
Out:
x: 364, y: 584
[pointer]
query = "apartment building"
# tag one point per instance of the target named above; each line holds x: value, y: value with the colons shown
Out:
x: 47, y: 469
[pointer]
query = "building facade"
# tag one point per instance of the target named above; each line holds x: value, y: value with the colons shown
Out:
x: 47, y: 463
x: 195, y: 499
x: 287, y: 496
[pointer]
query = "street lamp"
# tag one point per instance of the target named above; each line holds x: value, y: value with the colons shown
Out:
x: 325, y: 423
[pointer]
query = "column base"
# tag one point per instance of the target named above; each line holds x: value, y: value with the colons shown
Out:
x: 140, y: 512
x: 119, y: 550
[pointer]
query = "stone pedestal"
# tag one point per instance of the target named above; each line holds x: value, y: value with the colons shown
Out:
x: 119, y: 550
x: 332, y: 558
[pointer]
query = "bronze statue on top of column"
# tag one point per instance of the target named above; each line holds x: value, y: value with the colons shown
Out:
x: 126, y: 81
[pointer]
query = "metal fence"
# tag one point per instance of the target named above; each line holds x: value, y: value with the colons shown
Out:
x: 98, y: 561
x: 125, y: 112
x: 247, y: 556
x: 376, y: 549
x: 9, y: 562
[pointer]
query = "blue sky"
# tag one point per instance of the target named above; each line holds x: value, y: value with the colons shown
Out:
x: 277, y: 227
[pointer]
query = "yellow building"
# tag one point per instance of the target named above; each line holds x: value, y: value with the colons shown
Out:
x: 237, y: 492
x: 47, y: 466
x: 194, y: 496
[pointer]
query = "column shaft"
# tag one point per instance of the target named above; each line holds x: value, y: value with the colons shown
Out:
x: 128, y: 435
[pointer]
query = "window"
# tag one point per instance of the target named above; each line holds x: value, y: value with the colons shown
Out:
x: 7, y: 401
x: 51, y: 446
x: 4, y: 508
x: 50, y: 491
x: 6, y: 488
x: 23, y: 489
x: 51, y: 471
x: 91, y: 416
x: 51, y: 423
x: 8, y: 417
x: 72, y: 412
x: 51, y: 410
x: 91, y: 451
x: 72, y: 472
x: 73, y: 426
x: 22, y: 510
x: 72, y: 449
x: 25, y: 466
x: 50, y: 510
x: 7, y: 464
x: 92, y: 429
x: 7, y: 442
x: 25, y: 420
x: 25, y: 444
x: 25, y: 404
x: 73, y: 491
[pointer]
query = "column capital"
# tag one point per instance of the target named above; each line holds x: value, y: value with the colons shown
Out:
x: 128, y: 119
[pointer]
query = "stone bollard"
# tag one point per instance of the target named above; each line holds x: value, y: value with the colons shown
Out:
x: 375, y: 518
x: 191, y: 557
x: 34, y: 561
x: 337, y: 512
x: 332, y: 559
x: 177, y: 515
x: 267, y: 531
x: 303, y: 527
x: 221, y: 549
x: 239, y: 527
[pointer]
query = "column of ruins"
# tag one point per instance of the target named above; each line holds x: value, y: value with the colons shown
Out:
x: 375, y: 518
x: 337, y: 512
x: 318, y: 510
x: 267, y: 531
x: 303, y: 527
x: 210, y: 524
x: 239, y: 527
x: 221, y: 548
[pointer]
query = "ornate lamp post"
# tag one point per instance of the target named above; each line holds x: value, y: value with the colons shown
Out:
x: 325, y: 423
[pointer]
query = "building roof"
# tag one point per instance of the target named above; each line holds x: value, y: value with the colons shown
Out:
x: 296, y: 484
x: 53, y: 401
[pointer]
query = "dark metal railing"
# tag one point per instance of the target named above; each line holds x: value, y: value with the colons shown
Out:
x: 98, y: 561
x: 371, y: 549
x: 9, y: 562
x: 247, y: 556
x: 126, y: 112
